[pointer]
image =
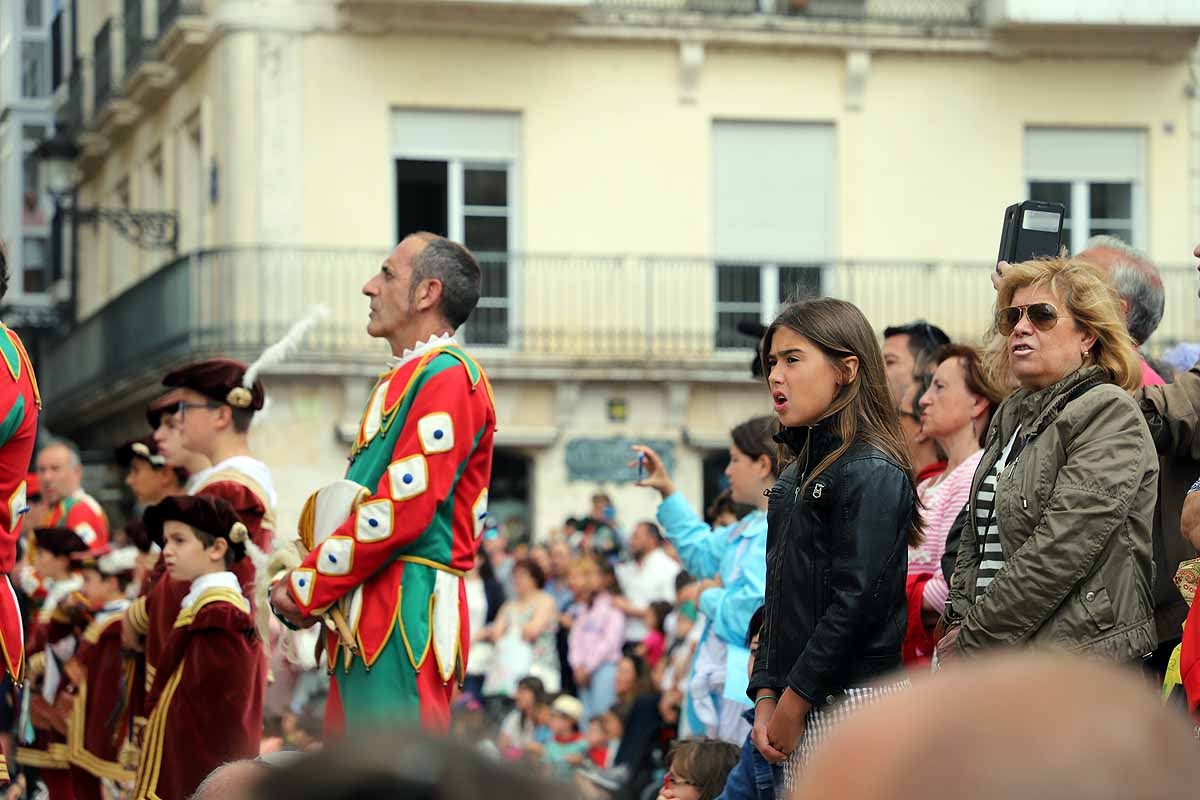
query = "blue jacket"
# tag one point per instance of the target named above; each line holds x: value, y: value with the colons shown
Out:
x: 753, y: 778
x: 738, y: 553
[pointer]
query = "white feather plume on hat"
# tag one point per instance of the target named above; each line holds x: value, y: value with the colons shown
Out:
x: 278, y: 352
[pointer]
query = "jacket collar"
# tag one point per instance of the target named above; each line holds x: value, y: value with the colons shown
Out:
x: 1028, y: 406
x: 820, y: 438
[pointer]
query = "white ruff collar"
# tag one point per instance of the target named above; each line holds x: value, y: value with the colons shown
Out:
x: 420, y: 348
x: 213, y: 580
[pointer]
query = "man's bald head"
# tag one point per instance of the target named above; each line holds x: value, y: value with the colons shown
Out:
x: 1136, y: 279
x: 233, y: 781
x: 1022, y: 726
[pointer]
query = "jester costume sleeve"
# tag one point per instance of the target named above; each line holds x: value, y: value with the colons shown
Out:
x: 19, y: 405
x: 424, y: 451
x: 206, y: 702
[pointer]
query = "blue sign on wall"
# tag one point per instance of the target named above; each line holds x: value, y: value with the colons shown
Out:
x: 607, y: 460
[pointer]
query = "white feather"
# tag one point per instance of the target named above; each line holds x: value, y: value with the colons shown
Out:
x: 278, y: 352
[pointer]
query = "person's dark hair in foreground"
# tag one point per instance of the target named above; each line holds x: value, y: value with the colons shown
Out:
x: 401, y: 764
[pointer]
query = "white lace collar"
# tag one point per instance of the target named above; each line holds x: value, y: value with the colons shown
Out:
x: 213, y: 580
x: 420, y: 348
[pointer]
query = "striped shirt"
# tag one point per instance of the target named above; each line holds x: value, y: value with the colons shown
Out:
x: 987, y: 527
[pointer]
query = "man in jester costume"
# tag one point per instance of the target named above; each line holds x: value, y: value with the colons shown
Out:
x: 391, y: 572
x: 19, y: 406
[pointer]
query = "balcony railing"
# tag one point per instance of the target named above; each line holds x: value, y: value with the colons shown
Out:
x: 136, y: 43
x: 939, y: 12
x: 102, y: 62
x: 565, y: 312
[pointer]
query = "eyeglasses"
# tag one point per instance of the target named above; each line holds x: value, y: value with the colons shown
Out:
x: 671, y: 779
x: 183, y: 407
x: 915, y: 417
x: 1043, y: 316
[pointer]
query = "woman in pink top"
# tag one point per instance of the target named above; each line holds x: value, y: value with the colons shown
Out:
x: 955, y: 412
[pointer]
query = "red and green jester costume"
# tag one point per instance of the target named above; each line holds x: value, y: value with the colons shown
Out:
x: 424, y: 451
x: 19, y: 406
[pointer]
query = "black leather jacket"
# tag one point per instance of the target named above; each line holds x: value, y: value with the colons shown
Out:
x: 837, y: 560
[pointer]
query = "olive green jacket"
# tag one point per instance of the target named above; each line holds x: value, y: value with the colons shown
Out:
x: 1075, y: 509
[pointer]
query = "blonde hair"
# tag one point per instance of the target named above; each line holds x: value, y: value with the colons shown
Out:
x: 1090, y: 298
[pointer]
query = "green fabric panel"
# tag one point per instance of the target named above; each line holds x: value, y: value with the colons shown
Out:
x: 368, y: 466
x: 466, y: 361
x: 16, y: 415
x: 418, y: 583
x: 11, y: 355
x: 384, y: 696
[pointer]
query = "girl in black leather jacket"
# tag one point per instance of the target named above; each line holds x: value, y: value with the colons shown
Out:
x: 840, y: 522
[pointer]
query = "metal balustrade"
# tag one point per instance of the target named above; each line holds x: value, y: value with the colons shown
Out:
x: 567, y: 310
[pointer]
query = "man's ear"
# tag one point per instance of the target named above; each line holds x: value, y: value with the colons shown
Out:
x: 429, y: 294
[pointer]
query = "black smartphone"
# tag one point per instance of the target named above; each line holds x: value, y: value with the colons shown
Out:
x: 1032, y: 229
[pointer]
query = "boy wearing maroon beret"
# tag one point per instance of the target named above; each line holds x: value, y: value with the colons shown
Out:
x: 98, y: 723
x: 212, y: 410
x: 206, y: 699
x: 51, y: 643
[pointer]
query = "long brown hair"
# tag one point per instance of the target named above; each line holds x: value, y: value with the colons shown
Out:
x: 863, y: 408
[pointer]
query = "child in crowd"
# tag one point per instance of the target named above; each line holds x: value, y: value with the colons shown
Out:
x: 519, y: 727
x: 97, y: 725
x: 569, y: 748
x: 599, y: 752
x: 654, y: 645
x: 697, y: 769
x: 50, y: 641
x: 206, y: 700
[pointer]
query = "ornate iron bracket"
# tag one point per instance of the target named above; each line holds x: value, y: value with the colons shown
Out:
x: 149, y: 230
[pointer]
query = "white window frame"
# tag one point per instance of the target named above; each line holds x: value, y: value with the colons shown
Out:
x: 457, y: 211
x: 1080, y: 178
x: 500, y: 147
x: 32, y: 231
x: 768, y: 304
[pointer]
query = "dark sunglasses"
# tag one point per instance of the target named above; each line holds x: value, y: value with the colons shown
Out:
x: 1043, y: 316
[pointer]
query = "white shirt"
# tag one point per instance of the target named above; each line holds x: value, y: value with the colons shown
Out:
x: 213, y: 580
x: 645, y: 583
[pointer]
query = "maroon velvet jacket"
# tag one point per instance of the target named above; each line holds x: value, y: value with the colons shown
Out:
x: 153, y: 614
x: 206, y: 701
x: 97, y: 730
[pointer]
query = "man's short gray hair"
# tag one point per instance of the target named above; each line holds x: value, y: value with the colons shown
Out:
x: 457, y: 270
x: 69, y: 446
x: 1138, y: 283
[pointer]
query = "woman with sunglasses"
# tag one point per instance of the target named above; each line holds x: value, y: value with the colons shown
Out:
x: 1056, y: 547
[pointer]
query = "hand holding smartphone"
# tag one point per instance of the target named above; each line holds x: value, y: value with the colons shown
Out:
x: 1032, y: 229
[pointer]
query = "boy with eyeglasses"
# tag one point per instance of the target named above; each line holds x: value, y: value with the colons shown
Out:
x: 212, y: 409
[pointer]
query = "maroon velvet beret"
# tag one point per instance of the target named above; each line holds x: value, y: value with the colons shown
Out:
x: 143, y: 448
x: 219, y: 379
x: 211, y: 515
x: 59, y: 541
